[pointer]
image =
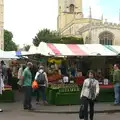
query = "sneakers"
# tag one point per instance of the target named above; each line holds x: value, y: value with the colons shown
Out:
x: 31, y: 109
x: 37, y: 102
x: 45, y: 103
x: 28, y: 108
x: 1, y: 110
x: 25, y: 108
x: 116, y: 104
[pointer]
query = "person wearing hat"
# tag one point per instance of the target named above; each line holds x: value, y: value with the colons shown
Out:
x: 41, y: 78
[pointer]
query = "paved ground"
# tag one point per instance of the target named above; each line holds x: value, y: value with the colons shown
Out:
x: 99, y: 107
x: 14, y: 111
x: 25, y: 115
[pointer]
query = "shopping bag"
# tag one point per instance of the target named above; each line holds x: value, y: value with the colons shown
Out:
x: 34, y: 84
x: 81, y: 112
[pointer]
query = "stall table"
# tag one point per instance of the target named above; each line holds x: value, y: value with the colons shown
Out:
x: 8, y: 94
x: 106, y: 93
x: 64, y: 96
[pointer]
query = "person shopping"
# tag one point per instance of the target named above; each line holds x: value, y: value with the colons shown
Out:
x: 27, y: 86
x: 1, y: 84
x: 89, y: 92
x: 41, y: 78
x: 116, y: 81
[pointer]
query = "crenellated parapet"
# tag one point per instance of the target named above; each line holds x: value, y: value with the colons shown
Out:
x: 98, y: 25
x: 106, y: 24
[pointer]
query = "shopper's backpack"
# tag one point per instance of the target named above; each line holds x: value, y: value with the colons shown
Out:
x: 41, y: 78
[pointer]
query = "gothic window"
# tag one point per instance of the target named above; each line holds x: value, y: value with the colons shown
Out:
x: 72, y: 7
x: 106, y: 38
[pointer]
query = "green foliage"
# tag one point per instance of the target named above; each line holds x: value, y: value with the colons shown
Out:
x: 48, y: 36
x: 9, y: 45
x: 26, y: 47
x: 72, y: 40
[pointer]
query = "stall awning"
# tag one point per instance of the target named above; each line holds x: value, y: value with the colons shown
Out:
x: 98, y: 49
x: 68, y: 49
x: 12, y: 54
x: 114, y: 48
x: 8, y: 55
x: 48, y: 49
x: 33, y: 50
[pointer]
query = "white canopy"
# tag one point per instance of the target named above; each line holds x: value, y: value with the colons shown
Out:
x: 7, y: 55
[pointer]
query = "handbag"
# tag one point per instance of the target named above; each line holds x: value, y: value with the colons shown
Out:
x: 81, y: 112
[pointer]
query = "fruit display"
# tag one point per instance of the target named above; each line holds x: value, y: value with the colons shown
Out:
x: 65, y: 87
x: 54, y: 77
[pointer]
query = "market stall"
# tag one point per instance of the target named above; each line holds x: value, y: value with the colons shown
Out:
x: 78, y: 58
x: 60, y: 94
x: 11, y: 64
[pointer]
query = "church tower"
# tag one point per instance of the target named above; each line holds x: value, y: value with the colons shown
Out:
x: 68, y: 10
x: 1, y: 24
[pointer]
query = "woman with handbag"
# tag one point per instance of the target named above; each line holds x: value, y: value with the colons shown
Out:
x: 89, y: 92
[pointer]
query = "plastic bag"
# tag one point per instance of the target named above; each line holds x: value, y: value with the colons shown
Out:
x: 34, y: 84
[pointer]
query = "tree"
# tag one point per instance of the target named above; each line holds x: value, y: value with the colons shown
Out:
x: 26, y: 47
x: 9, y: 44
x: 72, y: 40
x: 48, y: 36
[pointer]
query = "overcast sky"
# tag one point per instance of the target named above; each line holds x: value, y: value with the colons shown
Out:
x: 24, y: 18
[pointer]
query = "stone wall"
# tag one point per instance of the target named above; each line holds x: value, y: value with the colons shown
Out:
x: 1, y: 24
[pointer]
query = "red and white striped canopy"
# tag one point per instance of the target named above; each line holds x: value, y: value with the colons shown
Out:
x: 48, y: 49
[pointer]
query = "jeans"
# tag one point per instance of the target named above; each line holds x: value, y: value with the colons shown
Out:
x: 87, y: 102
x: 27, y: 97
x: 41, y: 90
x: 117, y: 93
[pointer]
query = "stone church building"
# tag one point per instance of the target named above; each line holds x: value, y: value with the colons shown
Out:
x: 1, y: 25
x: 71, y: 22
